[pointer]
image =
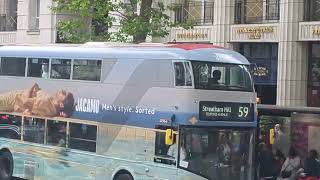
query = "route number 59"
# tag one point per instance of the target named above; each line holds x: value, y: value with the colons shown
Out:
x: 243, y: 111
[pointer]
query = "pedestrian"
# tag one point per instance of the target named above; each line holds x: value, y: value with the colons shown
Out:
x: 289, y: 170
x: 266, y: 163
x: 312, y: 165
x: 279, y: 160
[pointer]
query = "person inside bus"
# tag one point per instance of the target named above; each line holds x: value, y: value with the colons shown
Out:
x: 62, y: 136
x: 216, y: 76
x: 224, y: 150
x: 173, y: 150
x: 44, y: 71
x: 35, y: 101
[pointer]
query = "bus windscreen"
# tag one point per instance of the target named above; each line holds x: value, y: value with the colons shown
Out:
x: 221, y: 76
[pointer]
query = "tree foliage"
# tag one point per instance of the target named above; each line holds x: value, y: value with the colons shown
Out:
x: 268, y: 122
x: 93, y: 19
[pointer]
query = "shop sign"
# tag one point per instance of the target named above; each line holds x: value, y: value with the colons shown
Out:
x: 192, y: 35
x: 316, y: 31
x: 255, y: 32
x: 260, y: 71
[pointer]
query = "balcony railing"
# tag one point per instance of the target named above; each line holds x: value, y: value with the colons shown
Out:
x: 196, y: 12
x: 312, y: 10
x: 8, y: 37
x: 257, y: 11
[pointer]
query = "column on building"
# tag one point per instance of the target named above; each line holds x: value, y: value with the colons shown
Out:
x: 223, y: 18
x: 292, y: 56
x: 36, y: 22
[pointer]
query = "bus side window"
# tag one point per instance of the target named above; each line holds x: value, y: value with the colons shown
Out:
x: 38, y: 67
x: 60, y: 68
x: 163, y: 153
x: 13, y: 66
x: 89, y: 70
x: 183, y: 74
x: 34, y: 129
x: 57, y: 133
x: 10, y: 126
x: 83, y: 137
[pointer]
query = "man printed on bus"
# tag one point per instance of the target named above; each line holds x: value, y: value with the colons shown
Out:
x: 35, y: 101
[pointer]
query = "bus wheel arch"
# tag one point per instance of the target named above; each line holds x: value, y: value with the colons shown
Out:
x: 6, y: 164
x: 123, y: 174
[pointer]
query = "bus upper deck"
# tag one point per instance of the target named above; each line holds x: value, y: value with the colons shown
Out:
x: 174, y: 52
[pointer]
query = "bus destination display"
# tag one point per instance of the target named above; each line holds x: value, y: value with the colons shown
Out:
x: 225, y: 111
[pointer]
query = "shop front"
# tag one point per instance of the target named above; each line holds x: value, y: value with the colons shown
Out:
x: 309, y: 32
x: 258, y: 43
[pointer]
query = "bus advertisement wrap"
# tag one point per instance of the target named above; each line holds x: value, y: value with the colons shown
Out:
x: 36, y: 101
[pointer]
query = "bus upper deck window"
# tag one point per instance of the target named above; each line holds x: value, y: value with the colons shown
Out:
x: 89, y: 70
x: 13, y: 66
x: 60, y: 68
x: 38, y: 67
x: 183, y: 74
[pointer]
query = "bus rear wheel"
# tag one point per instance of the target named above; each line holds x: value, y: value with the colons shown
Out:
x: 6, y: 165
x: 123, y: 177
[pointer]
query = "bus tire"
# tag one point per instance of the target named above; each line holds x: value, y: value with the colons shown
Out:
x: 124, y: 176
x: 6, y: 165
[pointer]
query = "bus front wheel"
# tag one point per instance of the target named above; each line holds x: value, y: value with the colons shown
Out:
x: 6, y: 165
x: 124, y: 177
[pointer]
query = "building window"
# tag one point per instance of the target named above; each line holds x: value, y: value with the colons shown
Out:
x: 13, y: 66
x: 38, y: 67
x: 312, y: 10
x: 89, y: 70
x: 197, y: 12
x: 257, y: 11
x: 60, y: 68
x: 34, y: 8
x: 8, y: 15
x: 314, y: 75
x: 83, y: 137
x: 131, y: 6
x: 34, y: 129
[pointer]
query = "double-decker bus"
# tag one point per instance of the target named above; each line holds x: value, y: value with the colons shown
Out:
x: 126, y: 112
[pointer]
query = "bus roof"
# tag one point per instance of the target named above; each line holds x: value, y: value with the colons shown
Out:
x: 200, y: 52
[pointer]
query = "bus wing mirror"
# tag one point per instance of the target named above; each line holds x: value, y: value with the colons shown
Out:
x: 271, y: 136
x: 169, y: 137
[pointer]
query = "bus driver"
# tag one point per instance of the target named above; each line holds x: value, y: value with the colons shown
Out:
x: 37, y: 102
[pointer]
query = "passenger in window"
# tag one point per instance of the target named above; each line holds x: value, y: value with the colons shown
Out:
x: 45, y: 71
x: 216, y: 76
x: 35, y: 101
x: 224, y: 150
x: 84, y: 129
x: 62, y: 132
x: 173, y: 150
x: 224, y: 157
